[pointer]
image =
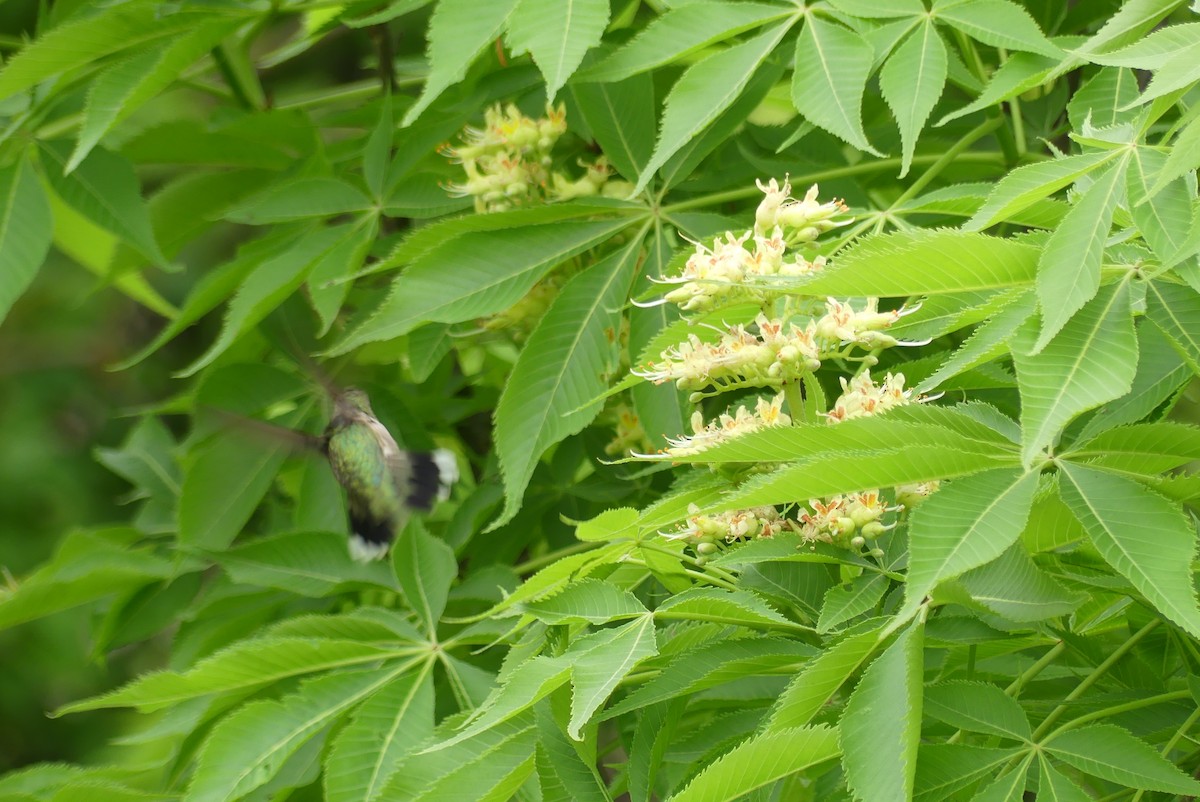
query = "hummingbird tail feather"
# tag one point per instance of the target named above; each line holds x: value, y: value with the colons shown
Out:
x: 432, y: 476
x: 365, y: 551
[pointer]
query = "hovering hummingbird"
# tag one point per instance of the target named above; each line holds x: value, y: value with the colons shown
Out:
x: 383, y: 482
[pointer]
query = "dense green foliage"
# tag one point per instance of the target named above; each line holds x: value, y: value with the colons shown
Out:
x: 764, y: 497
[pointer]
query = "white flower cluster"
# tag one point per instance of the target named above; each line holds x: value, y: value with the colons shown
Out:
x: 719, y: 274
x: 725, y: 427
x: 507, y: 162
x: 846, y: 520
x: 861, y: 396
x: 706, y: 531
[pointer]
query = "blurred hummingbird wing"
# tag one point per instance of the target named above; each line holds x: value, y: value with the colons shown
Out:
x: 421, y: 478
x: 267, y: 432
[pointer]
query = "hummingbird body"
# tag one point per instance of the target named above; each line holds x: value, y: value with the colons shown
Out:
x: 383, y: 482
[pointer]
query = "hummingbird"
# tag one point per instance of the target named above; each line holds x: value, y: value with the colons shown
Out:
x: 383, y: 482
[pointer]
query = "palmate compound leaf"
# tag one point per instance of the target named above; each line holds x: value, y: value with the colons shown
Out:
x: 951, y: 261
x: 966, y: 524
x: 26, y: 229
x: 911, y: 82
x: 760, y: 761
x: 244, y: 665
x: 1111, y: 753
x: 1141, y: 534
x: 566, y: 363
x: 247, y: 748
x: 388, y: 726
x: 557, y: 33
x: 476, y: 273
x: 693, y: 104
x: 881, y: 725
x: 1092, y: 360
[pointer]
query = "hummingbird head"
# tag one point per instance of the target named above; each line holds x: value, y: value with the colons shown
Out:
x: 352, y: 403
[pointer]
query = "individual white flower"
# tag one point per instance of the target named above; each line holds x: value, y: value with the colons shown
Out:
x: 861, y: 397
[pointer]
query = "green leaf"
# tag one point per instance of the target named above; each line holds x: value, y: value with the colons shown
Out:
x: 210, y: 290
x: 964, y: 525
x: 123, y: 88
x: 1165, y: 216
x: 621, y: 118
x: 567, y: 362
x: 565, y: 766
x: 911, y: 82
x: 1179, y: 72
x: 388, y: 726
x: 223, y: 482
x: 245, y: 665
x: 1111, y: 753
x: 557, y: 33
x: 89, y: 37
x: 741, y: 607
x: 844, y: 602
x: 977, y: 707
x: 588, y: 600
x: 306, y: 563
x: 1018, y: 74
x: 247, y: 748
x: 868, y: 433
x: 377, y: 151
x: 710, y: 665
x: 987, y: 342
x: 810, y: 691
x: 474, y: 274
x: 1092, y: 361
x: 425, y: 566
x: 1175, y: 309
x: 829, y: 474
x: 488, y: 768
x: 1183, y: 157
x: 26, y: 230
x: 104, y: 189
x: 601, y: 661
x: 1139, y: 533
x: 1100, y: 101
x: 88, y: 565
x: 458, y: 32
x: 267, y: 286
x: 1155, y: 50
x: 1012, y: 586
x: 832, y: 67
x: 1069, y: 268
x: 760, y: 761
x: 952, y: 261
x: 1009, y: 786
x: 945, y: 768
x: 298, y: 199
x: 868, y: 9
x: 1026, y: 185
x: 327, y: 287
x: 999, y: 23
x: 680, y: 32
x: 692, y: 104
x: 1056, y: 786
x: 1146, y: 448
x: 1161, y: 371
x: 881, y: 726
